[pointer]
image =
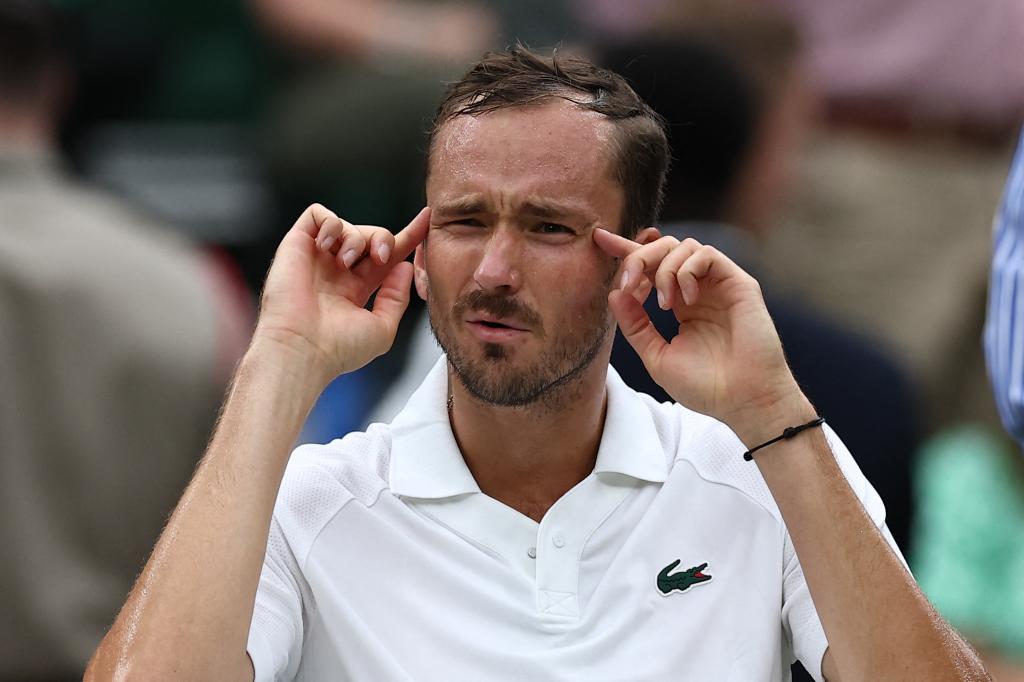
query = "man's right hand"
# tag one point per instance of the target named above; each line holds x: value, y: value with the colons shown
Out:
x: 188, y: 616
x: 323, y: 274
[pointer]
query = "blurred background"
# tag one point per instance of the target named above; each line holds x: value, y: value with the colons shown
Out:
x: 153, y: 153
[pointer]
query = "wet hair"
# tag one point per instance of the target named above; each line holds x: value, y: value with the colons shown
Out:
x: 517, y: 77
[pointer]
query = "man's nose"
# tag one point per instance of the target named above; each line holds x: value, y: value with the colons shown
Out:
x: 499, y: 264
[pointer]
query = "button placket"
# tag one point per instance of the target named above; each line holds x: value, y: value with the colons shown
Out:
x: 565, y: 530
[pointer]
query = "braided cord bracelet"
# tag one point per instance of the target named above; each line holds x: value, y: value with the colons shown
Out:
x: 787, y: 433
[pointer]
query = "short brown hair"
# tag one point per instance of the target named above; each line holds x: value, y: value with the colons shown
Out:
x: 518, y: 77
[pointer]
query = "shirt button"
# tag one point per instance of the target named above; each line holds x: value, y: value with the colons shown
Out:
x: 558, y: 540
x: 532, y: 552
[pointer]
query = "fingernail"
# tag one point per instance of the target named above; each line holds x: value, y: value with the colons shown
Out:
x: 349, y: 258
x: 327, y: 243
x: 383, y: 251
x: 625, y: 280
x: 661, y: 300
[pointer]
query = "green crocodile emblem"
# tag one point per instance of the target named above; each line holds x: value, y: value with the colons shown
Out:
x: 683, y: 580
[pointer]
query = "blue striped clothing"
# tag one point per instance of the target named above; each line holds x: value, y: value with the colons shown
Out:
x: 1004, y: 326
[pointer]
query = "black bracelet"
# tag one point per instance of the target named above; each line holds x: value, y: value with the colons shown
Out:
x: 787, y: 433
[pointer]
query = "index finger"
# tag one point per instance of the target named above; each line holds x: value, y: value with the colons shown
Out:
x: 614, y: 244
x: 411, y: 235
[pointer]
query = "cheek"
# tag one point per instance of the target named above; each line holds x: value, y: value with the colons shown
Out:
x: 448, y: 266
x: 579, y: 283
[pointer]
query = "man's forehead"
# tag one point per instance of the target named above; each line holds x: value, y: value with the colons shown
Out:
x: 535, y: 149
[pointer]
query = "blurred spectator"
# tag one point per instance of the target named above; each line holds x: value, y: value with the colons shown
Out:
x: 969, y: 543
x: 116, y: 345
x: 1004, y: 327
x: 897, y: 189
x: 734, y: 130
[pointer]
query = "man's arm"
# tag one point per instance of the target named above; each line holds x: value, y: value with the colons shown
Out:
x: 189, y: 614
x: 727, y: 362
x: 1004, y: 323
x: 878, y: 623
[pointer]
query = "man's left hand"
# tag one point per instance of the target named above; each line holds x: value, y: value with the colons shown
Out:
x: 726, y: 360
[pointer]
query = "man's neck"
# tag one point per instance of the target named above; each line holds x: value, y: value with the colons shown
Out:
x: 528, y: 457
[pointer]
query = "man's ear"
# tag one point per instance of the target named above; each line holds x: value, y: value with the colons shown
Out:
x: 647, y: 235
x: 420, y: 272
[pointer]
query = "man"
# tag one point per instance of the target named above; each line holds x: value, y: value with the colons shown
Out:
x: 526, y: 516
x: 117, y: 342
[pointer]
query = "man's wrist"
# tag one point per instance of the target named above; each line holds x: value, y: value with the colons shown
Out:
x: 306, y: 368
x: 755, y: 426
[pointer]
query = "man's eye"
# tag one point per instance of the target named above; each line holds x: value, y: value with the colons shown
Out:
x: 469, y: 222
x: 554, y: 228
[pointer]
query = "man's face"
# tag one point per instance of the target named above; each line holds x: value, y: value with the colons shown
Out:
x: 516, y: 289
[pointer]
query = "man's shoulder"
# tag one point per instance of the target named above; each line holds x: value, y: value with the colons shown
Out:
x: 709, y: 449
x: 321, y: 479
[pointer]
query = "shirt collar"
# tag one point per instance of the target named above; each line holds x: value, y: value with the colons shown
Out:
x: 426, y: 461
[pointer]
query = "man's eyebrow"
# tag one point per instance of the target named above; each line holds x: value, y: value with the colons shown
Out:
x: 461, y: 206
x: 537, y: 207
x: 553, y: 210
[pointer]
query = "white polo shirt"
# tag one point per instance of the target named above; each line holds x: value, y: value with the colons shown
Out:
x: 670, y: 561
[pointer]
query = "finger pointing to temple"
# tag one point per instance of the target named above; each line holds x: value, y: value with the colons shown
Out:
x: 613, y: 244
x: 412, y: 235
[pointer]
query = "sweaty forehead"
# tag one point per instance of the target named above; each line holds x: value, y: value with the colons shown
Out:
x: 554, y: 149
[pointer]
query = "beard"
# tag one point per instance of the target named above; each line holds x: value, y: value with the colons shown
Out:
x: 492, y: 375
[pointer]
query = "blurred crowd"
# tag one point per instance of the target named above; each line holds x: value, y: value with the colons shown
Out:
x: 152, y: 153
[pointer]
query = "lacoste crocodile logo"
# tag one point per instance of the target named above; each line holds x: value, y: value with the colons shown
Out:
x: 683, y: 580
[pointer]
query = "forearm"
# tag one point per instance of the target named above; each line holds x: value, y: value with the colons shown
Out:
x: 188, y: 615
x: 878, y: 623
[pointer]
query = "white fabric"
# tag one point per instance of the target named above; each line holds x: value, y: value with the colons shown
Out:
x: 386, y: 562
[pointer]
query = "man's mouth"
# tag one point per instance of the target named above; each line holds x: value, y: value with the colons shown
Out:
x: 495, y: 330
x: 497, y: 323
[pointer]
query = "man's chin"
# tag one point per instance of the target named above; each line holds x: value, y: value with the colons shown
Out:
x: 496, y: 352
x: 494, y: 379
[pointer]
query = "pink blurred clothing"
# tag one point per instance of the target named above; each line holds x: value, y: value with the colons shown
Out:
x: 941, y: 58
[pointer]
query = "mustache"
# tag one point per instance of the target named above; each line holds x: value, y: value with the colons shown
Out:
x: 499, y: 306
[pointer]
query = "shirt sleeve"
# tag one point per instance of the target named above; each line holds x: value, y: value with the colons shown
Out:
x: 799, y: 618
x: 1004, y: 323
x: 275, y: 635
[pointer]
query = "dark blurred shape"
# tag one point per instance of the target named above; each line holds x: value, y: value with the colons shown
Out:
x: 117, y: 341
x: 733, y: 127
x: 167, y: 112
x: 29, y: 48
x: 711, y: 112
